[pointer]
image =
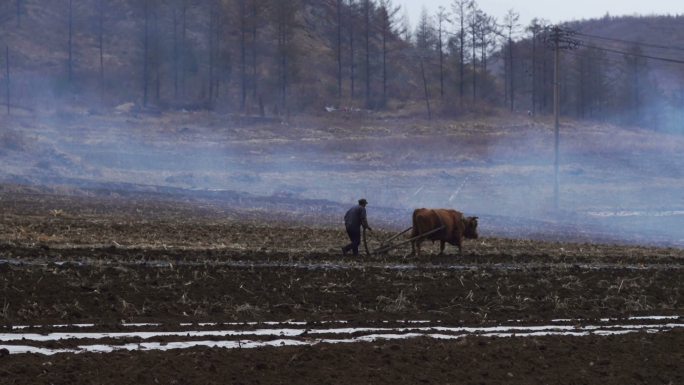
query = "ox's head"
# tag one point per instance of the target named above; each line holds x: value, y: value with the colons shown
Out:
x: 470, y: 227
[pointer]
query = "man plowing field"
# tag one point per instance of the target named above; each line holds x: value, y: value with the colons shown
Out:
x: 354, y: 219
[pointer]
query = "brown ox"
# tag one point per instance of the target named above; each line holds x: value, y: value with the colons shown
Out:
x: 456, y: 227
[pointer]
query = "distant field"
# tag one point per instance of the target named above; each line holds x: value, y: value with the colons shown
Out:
x: 623, y: 183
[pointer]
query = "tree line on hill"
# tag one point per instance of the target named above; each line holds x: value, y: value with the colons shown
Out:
x: 277, y: 56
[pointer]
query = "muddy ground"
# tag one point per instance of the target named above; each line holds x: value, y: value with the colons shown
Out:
x: 108, y: 258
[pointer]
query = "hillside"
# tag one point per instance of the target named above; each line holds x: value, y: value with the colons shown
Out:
x: 275, y: 58
x: 656, y: 36
x: 188, y: 53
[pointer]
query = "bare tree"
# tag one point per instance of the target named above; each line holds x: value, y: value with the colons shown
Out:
x: 338, y: 10
x: 218, y: 45
x: 367, y: 29
x: 405, y: 27
x: 179, y: 10
x: 535, y: 27
x: 483, y: 30
x: 511, y: 26
x: 425, y: 87
x: 284, y: 14
x: 100, y: 40
x: 352, y: 62
x: 156, y: 59
x: 7, y: 79
x: 243, y: 21
x: 70, y: 61
x: 184, y: 43
x: 425, y: 35
x: 633, y: 83
x: 460, y: 8
x: 589, y: 78
x: 146, y: 49
x: 487, y: 33
x: 442, y: 18
x: 213, y: 16
x: 474, y: 18
x: 387, y: 15
x: 19, y: 11
x: 425, y: 43
x: 258, y: 8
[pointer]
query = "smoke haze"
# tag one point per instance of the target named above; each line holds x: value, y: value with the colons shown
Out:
x: 616, y: 184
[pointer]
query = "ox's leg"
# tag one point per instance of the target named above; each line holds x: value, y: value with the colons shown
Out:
x: 441, y: 247
x: 459, y: 243
x: 417, y: 242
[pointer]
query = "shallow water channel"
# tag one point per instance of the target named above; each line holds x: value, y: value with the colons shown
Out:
x: 18, y: 340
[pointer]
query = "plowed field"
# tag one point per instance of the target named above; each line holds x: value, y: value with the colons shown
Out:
x: 148, y: 288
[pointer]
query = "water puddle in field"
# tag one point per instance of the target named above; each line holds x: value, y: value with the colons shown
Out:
x: 302, y: 335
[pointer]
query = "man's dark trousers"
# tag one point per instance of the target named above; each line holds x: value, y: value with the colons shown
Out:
x: 355, y: 237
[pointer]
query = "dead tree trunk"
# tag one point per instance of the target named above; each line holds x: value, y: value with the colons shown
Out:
x: 256, y: 10
x: 7, y: 82
x: 146, y: 41
x: 425, y: 86
x: 70, y: 47
x: 242, y: 9
x: 339, y: 49
x: 101, y: 45
x: 18, y: 13
x: 368, y: 33
x: 211, y: 43
x: 175, y: 54
x: 351, y: 48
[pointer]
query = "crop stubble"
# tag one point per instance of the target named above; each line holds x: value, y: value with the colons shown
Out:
x: 103, y: 260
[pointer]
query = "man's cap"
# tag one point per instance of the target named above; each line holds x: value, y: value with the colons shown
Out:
x: 363, y: 201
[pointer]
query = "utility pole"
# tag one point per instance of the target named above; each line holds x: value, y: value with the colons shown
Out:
x: 556, y: 119
x: 559, y: 39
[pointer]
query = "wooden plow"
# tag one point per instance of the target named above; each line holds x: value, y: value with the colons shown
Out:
x: 391, y: 243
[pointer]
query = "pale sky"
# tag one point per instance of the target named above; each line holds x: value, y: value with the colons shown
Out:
x: 552, y: 10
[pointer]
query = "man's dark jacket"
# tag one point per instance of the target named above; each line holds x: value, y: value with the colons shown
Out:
x: 355, y: 218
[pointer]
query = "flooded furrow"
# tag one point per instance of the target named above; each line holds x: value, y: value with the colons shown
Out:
x: 652, y: 318
x: 521, y: 266
x: 302, y: 335
x: 397, y: 334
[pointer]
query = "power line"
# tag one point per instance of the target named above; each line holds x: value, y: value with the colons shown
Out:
x: 558, y: 33
x: 665, y: 59
x: 605, y: 59
x: 630, y: 42
x: 613, y: 60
